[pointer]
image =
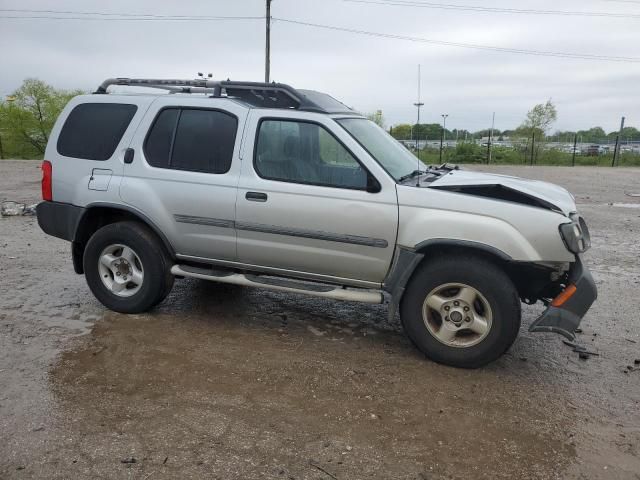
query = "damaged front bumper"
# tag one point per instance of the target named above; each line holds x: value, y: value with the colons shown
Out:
x: 566, y: 310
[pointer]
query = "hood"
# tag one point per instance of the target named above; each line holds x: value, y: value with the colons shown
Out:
x: 503, y: 187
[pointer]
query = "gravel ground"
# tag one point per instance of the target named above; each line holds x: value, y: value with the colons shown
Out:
x: 228, y: 382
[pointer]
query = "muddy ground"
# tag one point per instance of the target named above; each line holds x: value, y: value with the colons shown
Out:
x: 222, y: 382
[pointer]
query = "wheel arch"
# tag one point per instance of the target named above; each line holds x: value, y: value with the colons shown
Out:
x: 439, y: 245
x: 407, y: 260
x: 97, y: 215
x: 530, y: 279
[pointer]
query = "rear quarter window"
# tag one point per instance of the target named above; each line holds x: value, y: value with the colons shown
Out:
x: 93, y: 131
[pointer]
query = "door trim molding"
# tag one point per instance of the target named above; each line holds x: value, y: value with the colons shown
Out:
x: 212, y: 222
x: 313, y: 234
x: 288, y: 231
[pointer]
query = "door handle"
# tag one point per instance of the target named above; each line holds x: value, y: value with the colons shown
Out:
x: 256, y: 196
x: 128, y: 155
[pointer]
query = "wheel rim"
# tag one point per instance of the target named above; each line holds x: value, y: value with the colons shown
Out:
x: 457, y: 315
x: 120, y: 270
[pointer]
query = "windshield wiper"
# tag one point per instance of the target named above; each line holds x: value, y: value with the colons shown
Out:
x: 413, y: 174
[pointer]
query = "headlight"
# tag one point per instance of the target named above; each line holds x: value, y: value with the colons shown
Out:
x: 576, y: 234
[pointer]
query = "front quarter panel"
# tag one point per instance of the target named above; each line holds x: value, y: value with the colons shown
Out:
x: 520, y: 232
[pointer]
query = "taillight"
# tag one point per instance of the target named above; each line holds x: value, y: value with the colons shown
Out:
x: 47, y: 171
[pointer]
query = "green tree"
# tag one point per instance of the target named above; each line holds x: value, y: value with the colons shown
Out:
x: 539, y: 120
x: 460, y: 134
x: 377, y: 118
x: 594, y: 134
x: 27, y: 117
x: 628, y: 133
x: 401, y: 131
x: 486, y: 131
x: 429, y: 131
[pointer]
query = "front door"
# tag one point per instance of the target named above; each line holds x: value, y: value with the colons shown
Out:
x: 307, y: 200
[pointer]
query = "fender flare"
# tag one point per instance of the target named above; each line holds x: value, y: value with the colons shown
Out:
x: 406, y: 260
x: 448, y: 242
x: 77, y: 248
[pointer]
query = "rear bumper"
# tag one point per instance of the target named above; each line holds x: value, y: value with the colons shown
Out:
x: 59, y: 219
x: 564, y: 318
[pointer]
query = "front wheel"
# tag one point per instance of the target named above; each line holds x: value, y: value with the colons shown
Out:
x: 127, y: 268
x: 461, y: 311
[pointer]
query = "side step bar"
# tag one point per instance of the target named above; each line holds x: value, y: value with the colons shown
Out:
x: 280, y: 284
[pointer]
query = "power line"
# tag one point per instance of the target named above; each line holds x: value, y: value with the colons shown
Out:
x: 106, y: 16
x: 75, y: 15
x: 623, y: 1
x: 167, y: 19
x: 581, y: 56
x: 75, y: 12
x: 474, y: 8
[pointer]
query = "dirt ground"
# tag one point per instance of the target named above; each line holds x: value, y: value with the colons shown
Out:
x: 235, y: 383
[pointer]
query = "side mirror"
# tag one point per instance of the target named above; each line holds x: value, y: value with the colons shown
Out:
x: 373, y: 186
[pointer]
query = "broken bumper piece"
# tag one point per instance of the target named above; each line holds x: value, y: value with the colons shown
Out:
x: 566, y: 310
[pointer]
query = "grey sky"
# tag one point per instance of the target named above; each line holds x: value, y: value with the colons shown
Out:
x: 365, y: 72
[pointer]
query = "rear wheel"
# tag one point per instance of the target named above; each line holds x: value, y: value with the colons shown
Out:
x: 461, y: 311
x: 127, y: 268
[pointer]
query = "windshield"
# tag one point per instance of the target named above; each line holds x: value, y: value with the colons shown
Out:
x: 390, y: 154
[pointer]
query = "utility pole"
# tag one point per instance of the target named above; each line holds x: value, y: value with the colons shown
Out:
x: 267, y: 49
x: 418, y: 104
x: 616, y: 150
x: 575, y: 144
x: 444, y: 127
x: 493, y: 122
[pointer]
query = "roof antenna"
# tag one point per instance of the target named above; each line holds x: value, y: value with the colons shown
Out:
x: 418, y: 104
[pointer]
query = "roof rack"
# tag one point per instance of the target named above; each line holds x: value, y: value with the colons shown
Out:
x: 257, y: 94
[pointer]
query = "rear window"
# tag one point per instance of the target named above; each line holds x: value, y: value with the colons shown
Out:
x: 94, y: 130
x: 196, y: 140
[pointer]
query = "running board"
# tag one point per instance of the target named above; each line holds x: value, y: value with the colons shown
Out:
x: 281, y: 284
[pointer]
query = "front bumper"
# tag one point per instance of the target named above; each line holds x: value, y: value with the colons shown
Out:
x: 564, y: 315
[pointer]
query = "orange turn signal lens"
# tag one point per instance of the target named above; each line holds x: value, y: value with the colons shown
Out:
x: 565, y: 295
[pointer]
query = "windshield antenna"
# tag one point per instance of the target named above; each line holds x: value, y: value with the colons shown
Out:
x: 418, y: 104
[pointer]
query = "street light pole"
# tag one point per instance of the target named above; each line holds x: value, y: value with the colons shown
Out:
x: 444, y: 127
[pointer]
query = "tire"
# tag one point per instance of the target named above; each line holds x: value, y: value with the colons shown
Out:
x: 485, y: 321
x: 146, y: 266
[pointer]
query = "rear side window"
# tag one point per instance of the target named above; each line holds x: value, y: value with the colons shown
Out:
x: 191, y: 139
x: 93, y: 131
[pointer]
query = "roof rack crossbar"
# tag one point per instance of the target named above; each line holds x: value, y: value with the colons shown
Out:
x: 259, y: 94
x: 166, y: 84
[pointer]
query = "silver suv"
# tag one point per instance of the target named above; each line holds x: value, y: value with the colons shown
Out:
x: 268, y: 186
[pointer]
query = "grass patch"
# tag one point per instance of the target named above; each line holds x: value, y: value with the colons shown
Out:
x: 469, y: 153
